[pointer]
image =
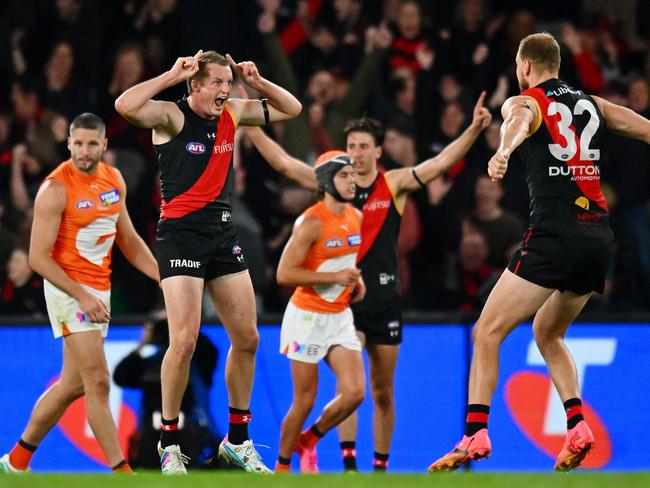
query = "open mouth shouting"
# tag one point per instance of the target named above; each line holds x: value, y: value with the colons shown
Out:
x: 220, y: 102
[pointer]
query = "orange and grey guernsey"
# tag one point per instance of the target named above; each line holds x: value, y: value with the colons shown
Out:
x: 196, y: 168
x: 88, y: 224
x: 561, y: 156
x: 334, y: 251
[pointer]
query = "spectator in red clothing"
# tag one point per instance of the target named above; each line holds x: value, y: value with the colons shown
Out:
x: 22, y: 292
x: 582, y: 45
x: 27, y: 109
x: 470, y: 278
x: 409, y: 38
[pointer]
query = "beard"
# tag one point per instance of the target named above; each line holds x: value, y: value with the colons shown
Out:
x: 523, y: 85
x: 87, y: 166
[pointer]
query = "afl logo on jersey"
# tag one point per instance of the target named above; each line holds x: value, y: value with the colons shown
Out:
x: 333, y: 243
x: 195, y: 148
x: 82, y: 204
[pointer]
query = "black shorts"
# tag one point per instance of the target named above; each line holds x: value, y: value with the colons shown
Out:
x: 381, y: 324
x: 205, y: 251
x: 563, y: 262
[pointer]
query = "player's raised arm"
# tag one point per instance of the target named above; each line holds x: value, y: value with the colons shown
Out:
x: 623, y: 120
x: 49, y: 205
x: 280, y: 104
x: 411, y: 179
x: 131, y: 244
x: 136, y: 104
x: 520, y: 115
x: 281, y: 161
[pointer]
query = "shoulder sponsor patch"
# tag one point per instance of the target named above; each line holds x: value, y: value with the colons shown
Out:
x: 195, y: 148
x: 354, y: 240
x: 83, y: 204
x: 109, y: 198
x: 333, y: 243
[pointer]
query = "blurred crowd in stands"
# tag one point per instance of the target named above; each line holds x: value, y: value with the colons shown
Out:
x: 417, y: 66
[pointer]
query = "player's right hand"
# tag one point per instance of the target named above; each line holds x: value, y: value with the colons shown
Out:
x: 347, y: 277
x: 481, y: 117
x: 94, y: 309
x: 186, y: 67
x: 498, y: 165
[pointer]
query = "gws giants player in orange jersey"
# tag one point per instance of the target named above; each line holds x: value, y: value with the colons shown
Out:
x: 320, y: 259
x: 80, y: 211
x: 558, y: 132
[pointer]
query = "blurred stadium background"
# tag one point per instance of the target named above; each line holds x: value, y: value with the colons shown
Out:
x: 417, y: 67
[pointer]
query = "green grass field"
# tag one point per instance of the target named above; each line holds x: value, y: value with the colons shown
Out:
x: 236, y: 480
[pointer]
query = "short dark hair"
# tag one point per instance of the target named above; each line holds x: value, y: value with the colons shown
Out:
x: 542, y: 50
x: 89, y: 121
x: 367, y: 125
x: 206, y: 58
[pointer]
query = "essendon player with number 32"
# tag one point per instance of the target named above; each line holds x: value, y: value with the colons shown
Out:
x: 557, y: 131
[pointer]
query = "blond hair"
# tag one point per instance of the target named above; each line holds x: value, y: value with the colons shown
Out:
x: 542, y: 50
x: 206, y: 58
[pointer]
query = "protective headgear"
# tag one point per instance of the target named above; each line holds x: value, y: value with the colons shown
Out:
x: 326, y: 166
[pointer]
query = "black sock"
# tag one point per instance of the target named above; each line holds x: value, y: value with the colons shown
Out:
x: 349, y: 454
x: 238, y: 427
x: 573, y: 409
x: 27, y: 446
x: 317, y: 432
x: 119, y: 465
x: 284, y: 461
x: 477, y: 418
x: 169, y: 433
x: 380, y: 462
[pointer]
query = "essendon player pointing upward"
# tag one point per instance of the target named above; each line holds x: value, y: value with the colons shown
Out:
x: 381, y: 196
x: 197, y: 243
x: 557, y: 131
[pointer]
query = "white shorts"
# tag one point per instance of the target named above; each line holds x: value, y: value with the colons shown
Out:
x: 65, y: 315
x: 308, y: 336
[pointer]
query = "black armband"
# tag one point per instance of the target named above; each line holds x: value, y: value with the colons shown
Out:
x: 265, y: 107
x: 415, y: 176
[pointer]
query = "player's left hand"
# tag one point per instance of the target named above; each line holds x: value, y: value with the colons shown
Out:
x: 481, y: 117
x: 246, y: 71
x: 359, y: 291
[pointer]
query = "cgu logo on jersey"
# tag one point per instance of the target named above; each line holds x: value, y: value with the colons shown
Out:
x: 108, y: 198
x: 561, y: 91
x: 578, y: 172
x: 537, y: 409
x: 224, y: 147
x: 354, y: 240
x: 83, y: 204
x: 195, y: 148
x: 332, y: 243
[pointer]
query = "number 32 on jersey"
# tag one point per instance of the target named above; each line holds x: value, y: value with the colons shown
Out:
x: 564, y: 124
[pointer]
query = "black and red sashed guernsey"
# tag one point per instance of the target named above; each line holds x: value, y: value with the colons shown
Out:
x: 196, y: 236
x: 568, y: 244
x: 377, y: 257
x: 196, y: 168
x: 379, y: 314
